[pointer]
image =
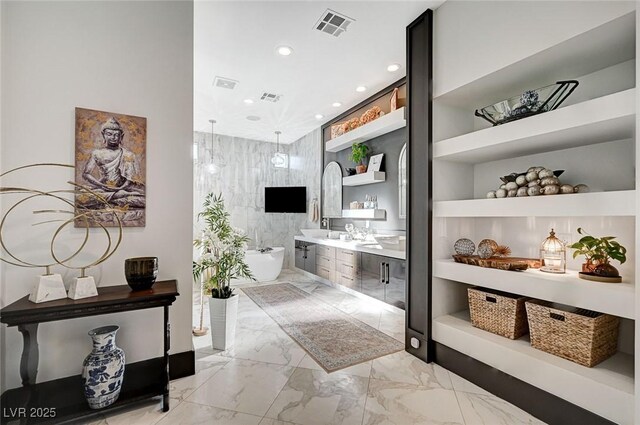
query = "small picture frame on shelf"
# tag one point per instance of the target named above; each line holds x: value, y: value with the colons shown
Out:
x: 375, y: 163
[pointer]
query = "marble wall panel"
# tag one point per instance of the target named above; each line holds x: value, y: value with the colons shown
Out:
x: 241, y: 170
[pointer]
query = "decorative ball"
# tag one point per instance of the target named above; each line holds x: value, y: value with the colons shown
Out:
x: 490, y: 242
x: 501, y: 193
x: 581, y: 188
x: 512, y: 193
x: 552, y: 189
x: 464, y: 246
x: 511, y: 186
x: 521, y: 181
x: 529, y: 98
x: 492, y: 193
x: 523, y: 192
x: 503, y: 186
x: 485, y: 251
x: 531, y: 176
x: 546, y: 173
x: 566, y: 188
x: 534, y: 190
x: 547, y: 181
x: 534, y: 183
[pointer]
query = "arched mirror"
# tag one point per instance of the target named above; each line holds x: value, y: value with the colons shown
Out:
x: 332, y: 191
x: 402, y: 183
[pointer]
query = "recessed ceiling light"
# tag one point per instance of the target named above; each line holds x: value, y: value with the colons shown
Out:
x: 284, y: 50
x: 253, y: 118
x: 319, y: 116
x: 248, y: 101
x: 393, y: 67
x: 336, y: 104
x: 360, y: 89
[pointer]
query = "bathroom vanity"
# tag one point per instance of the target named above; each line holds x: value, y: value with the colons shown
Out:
x: 366, y: 268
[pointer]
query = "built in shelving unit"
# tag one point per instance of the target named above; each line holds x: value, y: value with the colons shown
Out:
x: 369, y: 177
x: 469, y: 158
x: 383, y: 125
x: 365, y: 214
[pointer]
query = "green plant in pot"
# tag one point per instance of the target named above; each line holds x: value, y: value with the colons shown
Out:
x: 598, y: 253
x: 222, y: 248
x: 358, y: 155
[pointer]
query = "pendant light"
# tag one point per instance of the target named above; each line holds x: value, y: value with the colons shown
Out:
x: 279, y: 159
x: 211, y: 168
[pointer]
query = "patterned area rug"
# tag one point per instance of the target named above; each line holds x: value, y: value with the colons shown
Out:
x: 333, y: 338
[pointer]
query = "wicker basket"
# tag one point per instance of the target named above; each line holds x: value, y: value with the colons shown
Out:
x: 582, y: 336
x: 498, y: 312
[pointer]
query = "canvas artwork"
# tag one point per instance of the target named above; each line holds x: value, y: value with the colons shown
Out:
x: 111, y: 161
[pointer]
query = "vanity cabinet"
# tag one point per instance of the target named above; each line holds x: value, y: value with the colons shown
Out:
x: 306, y: 256
x: 383, y: 278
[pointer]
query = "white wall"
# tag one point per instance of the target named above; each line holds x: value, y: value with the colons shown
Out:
x: 127, y: 57
x: 518, y: 30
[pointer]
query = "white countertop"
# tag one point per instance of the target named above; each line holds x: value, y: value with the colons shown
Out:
x: 368, y: 247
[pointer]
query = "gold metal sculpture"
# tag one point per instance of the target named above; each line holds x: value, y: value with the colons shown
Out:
x: 50, y: 286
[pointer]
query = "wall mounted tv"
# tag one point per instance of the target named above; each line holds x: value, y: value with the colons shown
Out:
x: 291, y: 199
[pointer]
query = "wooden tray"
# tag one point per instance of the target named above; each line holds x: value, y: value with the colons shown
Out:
x: 501, y: 263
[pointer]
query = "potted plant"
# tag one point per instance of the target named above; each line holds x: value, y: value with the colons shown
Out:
x: 358, y: 154
x: 222, y: 259
x: 598, y: 253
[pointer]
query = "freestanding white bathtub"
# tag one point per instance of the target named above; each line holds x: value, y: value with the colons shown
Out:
x: 265, y: 266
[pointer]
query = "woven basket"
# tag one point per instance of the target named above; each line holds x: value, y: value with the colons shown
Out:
x: 498, y: 312
x: 582, y: 336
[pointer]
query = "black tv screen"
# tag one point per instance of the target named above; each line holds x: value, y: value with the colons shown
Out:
x: 292, y: 199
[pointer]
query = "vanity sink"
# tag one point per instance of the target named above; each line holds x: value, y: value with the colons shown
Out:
x: 315, y: 233
x: 396, y: 243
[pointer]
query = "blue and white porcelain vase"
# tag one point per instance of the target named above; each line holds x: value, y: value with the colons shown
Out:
x: 103, y: 369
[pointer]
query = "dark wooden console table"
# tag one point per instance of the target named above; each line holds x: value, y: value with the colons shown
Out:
x: 63, y: 399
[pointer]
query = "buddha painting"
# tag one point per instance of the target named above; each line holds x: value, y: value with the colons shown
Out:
x: 110, y: 161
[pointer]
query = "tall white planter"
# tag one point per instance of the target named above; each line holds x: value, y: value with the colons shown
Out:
x: 224, y: 313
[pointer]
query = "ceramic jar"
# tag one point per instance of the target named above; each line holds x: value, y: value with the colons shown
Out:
x: 103, y: 369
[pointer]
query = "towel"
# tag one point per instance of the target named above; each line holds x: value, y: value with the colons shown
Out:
x: 314, y: 215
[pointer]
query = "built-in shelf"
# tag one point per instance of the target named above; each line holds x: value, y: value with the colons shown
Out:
x: 369, y: 177
x: 365, y: 214
x: 603, y: 46
x: 606, y: 389
x: 383, y: 125
x: 603, y: 119
x: 617, y: 299
x: 614, y: 203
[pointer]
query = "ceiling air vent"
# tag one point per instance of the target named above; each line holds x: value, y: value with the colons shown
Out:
x: 333, y: 23
x: 225, y: 83
x: 270, y: 97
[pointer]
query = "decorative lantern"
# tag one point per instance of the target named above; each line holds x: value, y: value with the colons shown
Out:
x: 553, y: 255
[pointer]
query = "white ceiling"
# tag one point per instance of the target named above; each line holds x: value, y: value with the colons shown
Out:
x: 238, y: 40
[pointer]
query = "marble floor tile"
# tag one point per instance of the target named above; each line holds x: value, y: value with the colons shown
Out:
x: 462, y: 385
x: 197, y: 414
x: 392, y: 323
x: 313, y: 397
x: 146, y: 413
x: 243, y: 386
x: 403, y: 367
x: 395, y: 403
x: 272, y: 346
x: 362, y: 369
x: 490, y: 410
x: 269, y: 421
x: 206, y: 367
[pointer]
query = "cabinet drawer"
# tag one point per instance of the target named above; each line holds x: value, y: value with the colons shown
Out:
x: 347, y: 268
x: 323, y: 261
x: 346, y: 255
x: 346, y: 280
x: 326, y: 251
x: 324, y: 272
